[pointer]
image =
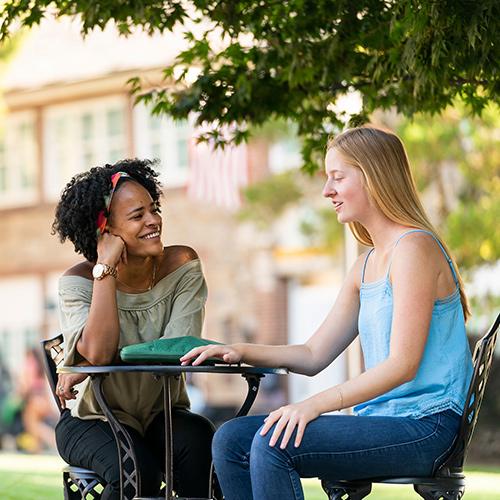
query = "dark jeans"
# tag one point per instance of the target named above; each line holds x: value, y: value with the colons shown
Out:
x: 333, y: 447
x: 90, y: 444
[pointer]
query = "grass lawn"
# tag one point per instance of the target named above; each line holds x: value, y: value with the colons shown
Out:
x: 38, y: 477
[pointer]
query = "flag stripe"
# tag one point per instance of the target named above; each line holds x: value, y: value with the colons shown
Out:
x: 217, y: 175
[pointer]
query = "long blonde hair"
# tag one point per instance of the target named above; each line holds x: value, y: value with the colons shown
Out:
x: 381, y: 157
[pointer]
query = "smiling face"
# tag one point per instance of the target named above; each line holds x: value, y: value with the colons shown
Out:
x: 346, y: 188
x: 134, y: 216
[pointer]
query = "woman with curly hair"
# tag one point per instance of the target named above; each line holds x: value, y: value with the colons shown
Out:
x: 129, y: 289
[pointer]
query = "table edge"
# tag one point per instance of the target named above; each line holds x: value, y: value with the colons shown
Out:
x: 173, y: 369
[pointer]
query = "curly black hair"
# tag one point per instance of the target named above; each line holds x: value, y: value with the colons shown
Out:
x: 83, y: 199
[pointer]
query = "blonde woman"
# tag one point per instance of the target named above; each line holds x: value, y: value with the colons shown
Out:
x: 404, y: 298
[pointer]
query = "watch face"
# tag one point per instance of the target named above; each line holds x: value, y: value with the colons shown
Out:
x: 98, y: 271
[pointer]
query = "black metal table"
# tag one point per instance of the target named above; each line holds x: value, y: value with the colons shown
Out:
x: 130, y: 483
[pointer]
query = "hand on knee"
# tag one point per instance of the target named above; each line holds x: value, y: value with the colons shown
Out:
x: 262, y: 452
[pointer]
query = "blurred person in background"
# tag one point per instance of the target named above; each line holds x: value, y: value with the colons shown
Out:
x: 38, y: 412
x: 10, y: 409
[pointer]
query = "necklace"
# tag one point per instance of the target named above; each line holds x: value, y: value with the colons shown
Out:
x: 140, y: 290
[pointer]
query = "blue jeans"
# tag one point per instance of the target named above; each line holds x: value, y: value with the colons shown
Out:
x: 333, y: 446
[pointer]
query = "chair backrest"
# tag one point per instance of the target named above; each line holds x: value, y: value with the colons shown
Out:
x: 483, y: 357
x: 53, y: 356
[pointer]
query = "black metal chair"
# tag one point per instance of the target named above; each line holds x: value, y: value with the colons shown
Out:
x: 448, y: 482
x: 85, y: 484
x: 79, y: 483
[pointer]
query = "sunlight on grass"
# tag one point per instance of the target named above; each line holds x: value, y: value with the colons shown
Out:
x: 29, y: 477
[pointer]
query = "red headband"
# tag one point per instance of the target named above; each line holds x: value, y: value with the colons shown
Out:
x: 102, y: 219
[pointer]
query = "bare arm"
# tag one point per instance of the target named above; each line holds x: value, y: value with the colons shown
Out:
x: 333, y: 336
x: 414, y: 282
x: 99, y: 341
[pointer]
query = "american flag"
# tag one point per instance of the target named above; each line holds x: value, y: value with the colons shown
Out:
x: 216, y: 175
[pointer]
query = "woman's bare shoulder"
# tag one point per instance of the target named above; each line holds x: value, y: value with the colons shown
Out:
x: 82, y: 269
x: 418, y: 254
x: 418, y: 244
x: 175, y: 256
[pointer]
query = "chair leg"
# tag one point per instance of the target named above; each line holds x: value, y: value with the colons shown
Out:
x: 215, y: 490
x: 79, y: 488
x: 340, y: 490
x: 71, y: 490
x: 429, y: 492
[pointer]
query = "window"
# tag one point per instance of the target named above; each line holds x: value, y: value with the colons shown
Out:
x: 115, y: 121
x: 20, y: 328
x: 87, y: 139
x: 166, y: 140
x: 80, y: 136
x: 18, y: 161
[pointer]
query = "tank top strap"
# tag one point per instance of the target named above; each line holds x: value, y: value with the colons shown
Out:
x: 448, y: 259
x: 364, y: 265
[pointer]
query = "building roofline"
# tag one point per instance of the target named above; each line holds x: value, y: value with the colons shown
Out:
x: 61, y: 92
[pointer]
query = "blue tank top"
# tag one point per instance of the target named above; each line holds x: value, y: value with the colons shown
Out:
x: 445, y: 370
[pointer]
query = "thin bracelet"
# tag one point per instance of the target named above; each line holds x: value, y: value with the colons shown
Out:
x: 341, y: 398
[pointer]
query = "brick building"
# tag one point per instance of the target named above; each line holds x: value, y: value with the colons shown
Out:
x: 68, y: 108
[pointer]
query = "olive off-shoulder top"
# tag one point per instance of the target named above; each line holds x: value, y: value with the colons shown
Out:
x: 172, y: 308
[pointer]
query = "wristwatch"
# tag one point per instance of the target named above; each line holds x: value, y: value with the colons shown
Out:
x: 100, y: 271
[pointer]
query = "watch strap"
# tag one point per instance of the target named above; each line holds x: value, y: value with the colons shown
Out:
x: 108, y: 271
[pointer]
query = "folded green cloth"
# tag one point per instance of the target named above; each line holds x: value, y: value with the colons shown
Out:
x: 165, y: 350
